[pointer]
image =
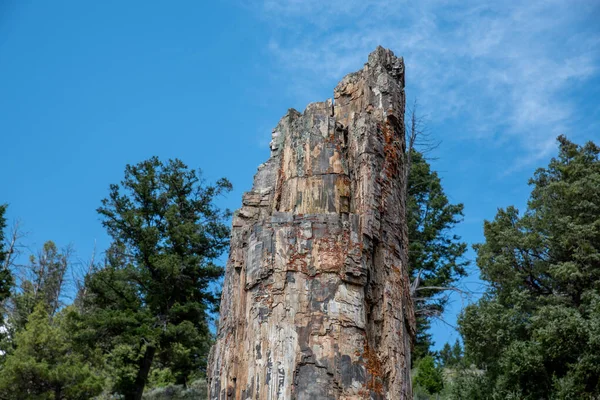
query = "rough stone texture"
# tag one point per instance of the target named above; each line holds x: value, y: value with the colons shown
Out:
x: 315, y: 300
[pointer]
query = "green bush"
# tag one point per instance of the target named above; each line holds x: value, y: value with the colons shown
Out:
x: 197, y: 390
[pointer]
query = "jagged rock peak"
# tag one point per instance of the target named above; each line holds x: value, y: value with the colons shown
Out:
x: 315, y: 300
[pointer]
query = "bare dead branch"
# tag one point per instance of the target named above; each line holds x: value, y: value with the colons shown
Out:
x: 418, y: 136
x: 453, y: 288
x: 79, y: 275
x: 415, y: 284
x: 14, y: 245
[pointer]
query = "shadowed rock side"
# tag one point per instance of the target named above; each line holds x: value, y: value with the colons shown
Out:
x: 315, y: 300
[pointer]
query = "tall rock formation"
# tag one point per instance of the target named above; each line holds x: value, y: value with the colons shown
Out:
x: 316, y: 301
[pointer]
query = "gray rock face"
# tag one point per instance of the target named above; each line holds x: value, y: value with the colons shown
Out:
x: 315, y: 300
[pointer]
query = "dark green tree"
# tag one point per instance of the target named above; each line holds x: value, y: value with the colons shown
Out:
x: 536, y: 333
x: 450, y: 356
x: 44, y: 365
x: 435, y: 253
x: 113, y: 322
x: 154, y: 295
x: 457, y: 352
x: 445, y: 355
x: 429, y: 375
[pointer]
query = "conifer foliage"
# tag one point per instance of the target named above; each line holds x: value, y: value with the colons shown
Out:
x: 141, y: 317
x: 435, y: 252
x: 44, y: 365
x: 149, y: 305
x: 536, y: 333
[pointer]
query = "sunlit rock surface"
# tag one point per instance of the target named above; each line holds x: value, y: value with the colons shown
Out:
x: 315, y: 300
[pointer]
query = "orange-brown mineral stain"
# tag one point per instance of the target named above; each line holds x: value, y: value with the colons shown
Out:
x: 374, y: 370
x: 391, y: 149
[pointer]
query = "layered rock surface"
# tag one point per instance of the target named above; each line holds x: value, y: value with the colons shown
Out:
x: 315, y: 301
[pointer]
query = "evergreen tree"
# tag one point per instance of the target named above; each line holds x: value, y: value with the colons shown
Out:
x: 429, y: 375
x: 451, y: 356
x: 445, y: 355
x: 149, y: 305
x: 536, y: 333
x: 435, y: 254
x: 43, y: 365
x: 457, y: 353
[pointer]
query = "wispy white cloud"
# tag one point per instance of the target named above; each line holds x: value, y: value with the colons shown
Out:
x: 505, y: 68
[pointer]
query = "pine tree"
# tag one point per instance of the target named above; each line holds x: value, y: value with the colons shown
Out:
x: 445, y: 355
x: 435, y: 254
x: 457, y: 353
x: 43, y: 365
x: 536, y: 333
x: 149, y: 305
x: 451, y: 356
x: 429, y: 375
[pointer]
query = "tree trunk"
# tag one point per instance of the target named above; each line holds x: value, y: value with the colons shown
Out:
x: 58, y: 392
x: 316, y: 301
x: 143, y: 371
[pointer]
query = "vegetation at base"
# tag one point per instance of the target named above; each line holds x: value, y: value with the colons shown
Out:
x: 451, y: 356
x: 141, y: 317
x: 535, y: 334
x: 138, y: 327
x: 428, y: 375
x: 197, y: 390
x: 43, y: 364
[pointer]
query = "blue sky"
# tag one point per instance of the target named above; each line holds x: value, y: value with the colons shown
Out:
x: 87, y: 87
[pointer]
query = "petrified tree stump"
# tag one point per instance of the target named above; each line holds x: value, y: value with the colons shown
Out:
x: 316, y: 301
